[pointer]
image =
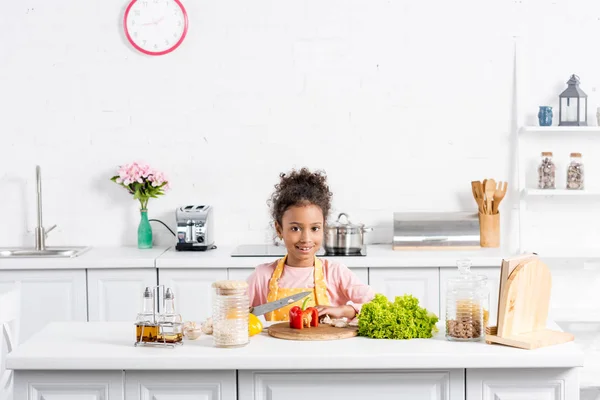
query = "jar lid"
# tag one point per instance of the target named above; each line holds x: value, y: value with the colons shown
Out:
x: 466, y: 277
x: 229, y: 287
x: 575, y: 154
x: 229, y: 284
x: 547, y: 153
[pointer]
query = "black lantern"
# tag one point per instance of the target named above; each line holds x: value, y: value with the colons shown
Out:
x: 573, y: 105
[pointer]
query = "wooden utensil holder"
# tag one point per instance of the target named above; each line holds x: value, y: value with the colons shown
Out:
x: 489, y: 230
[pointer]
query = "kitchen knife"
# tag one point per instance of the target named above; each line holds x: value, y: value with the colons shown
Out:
x: 274, y: 305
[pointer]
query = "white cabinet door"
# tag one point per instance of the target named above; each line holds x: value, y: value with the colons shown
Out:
x: 192, y: 290
x: 180, y: 385
x: 493, y: 276
x: 355, y: 385
x: 47, y: 296
x: 68, y: 385
x: 515, y: 384
x: 243, y: 273
x: 362, y: 273
x: 422, y: 283
x: 239, y: 274
x: 116, y: 294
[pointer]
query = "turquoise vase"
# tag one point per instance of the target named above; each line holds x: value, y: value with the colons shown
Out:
x: 144, y: 231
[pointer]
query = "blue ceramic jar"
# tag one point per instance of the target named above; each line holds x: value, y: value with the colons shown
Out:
x: 545, y: 116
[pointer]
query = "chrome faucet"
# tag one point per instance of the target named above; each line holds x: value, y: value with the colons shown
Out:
x: 40, y: 232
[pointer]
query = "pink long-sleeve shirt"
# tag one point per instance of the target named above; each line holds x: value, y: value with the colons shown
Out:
x: 343, y: 286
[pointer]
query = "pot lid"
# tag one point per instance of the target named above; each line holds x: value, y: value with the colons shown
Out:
x: 347, y: 224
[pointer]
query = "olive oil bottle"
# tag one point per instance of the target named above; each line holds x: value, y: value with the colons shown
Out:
x: 171, y: 325
x: 146, y: 327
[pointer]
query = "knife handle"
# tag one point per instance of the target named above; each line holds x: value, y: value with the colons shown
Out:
x: 250, y: 310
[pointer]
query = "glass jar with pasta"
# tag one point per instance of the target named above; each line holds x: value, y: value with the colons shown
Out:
x: 467, y: 305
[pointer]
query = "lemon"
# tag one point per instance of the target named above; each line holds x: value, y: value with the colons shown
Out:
x: 254, y: 325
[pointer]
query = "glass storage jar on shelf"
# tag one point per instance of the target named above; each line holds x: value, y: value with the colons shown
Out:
x: 230, y: 313
x: 575, y: 172
x: 547, y: 172
x: 467, y: 305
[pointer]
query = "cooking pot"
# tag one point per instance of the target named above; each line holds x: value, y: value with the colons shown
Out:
x: 344, y: 238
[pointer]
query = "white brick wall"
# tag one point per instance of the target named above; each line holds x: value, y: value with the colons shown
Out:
x: 401, y: 102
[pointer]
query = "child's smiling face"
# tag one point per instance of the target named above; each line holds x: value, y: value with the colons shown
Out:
x: 302, y: 232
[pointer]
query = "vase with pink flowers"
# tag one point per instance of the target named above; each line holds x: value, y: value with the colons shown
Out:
x: 144, y: 183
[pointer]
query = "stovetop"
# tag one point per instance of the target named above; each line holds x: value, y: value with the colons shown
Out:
x: 270, y: 250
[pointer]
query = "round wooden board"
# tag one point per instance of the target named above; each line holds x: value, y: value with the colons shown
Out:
x: 282, y: 330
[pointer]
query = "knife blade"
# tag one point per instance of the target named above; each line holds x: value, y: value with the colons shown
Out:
x: 274, y: 305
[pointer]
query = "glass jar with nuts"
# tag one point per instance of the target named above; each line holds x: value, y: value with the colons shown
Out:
x: 547, y: 172
x: 575, y: 172
x: 467, y: 305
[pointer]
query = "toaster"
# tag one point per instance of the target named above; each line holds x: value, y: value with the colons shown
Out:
x: 194, y: 228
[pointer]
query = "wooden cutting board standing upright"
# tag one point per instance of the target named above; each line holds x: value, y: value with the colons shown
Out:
x: 525, y: 285
x: 282, y: 330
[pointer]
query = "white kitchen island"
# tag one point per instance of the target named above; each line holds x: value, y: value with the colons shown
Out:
x: 97, y: 360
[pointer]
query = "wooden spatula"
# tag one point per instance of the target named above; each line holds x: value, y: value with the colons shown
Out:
x: 490, y: 188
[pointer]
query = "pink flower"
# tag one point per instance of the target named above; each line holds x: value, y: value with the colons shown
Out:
x: 157, y: 178
x: 149, y: 179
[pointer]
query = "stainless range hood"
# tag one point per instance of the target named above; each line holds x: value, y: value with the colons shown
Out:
x: 436, y: 231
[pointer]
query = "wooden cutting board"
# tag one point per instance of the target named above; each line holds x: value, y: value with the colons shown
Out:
x: 525, y: 285
x: 282, y: 330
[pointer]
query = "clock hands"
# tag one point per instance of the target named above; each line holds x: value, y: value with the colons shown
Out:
x: 154, y: 22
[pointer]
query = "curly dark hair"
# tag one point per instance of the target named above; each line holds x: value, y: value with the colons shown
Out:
x: 300, y: 188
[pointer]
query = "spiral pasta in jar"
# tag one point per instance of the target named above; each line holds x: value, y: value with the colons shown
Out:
x: 467, y: 305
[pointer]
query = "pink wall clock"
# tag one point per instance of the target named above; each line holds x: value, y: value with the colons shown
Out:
x: 155, y: 27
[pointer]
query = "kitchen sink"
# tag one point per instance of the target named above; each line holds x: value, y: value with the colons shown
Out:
x: 49, y: 252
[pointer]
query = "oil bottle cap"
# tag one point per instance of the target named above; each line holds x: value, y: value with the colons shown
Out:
x: 147, y: 293
x: 169, y: 295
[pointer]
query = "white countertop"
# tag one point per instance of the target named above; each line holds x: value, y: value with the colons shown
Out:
x: 109, y: 346
x: 95, y: 257
x: 378, y: 255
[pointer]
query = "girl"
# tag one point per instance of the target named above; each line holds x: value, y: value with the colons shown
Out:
x: 299, y: 207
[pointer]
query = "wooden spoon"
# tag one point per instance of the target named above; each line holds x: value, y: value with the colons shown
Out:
x: 499, y: 194
x: 490, y: 188
x: 483, y: 196
x: 476, y: 189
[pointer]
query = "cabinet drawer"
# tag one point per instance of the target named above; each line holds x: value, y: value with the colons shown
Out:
x: 508, y: 384
x: 327, y: 385
x: 180, y: 385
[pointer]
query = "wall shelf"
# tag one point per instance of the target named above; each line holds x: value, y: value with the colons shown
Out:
x: 587, y: 130
x: 589, y: 256
x: 558, y: 193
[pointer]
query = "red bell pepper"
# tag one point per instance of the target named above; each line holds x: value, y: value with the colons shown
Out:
x: 303, y: 317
